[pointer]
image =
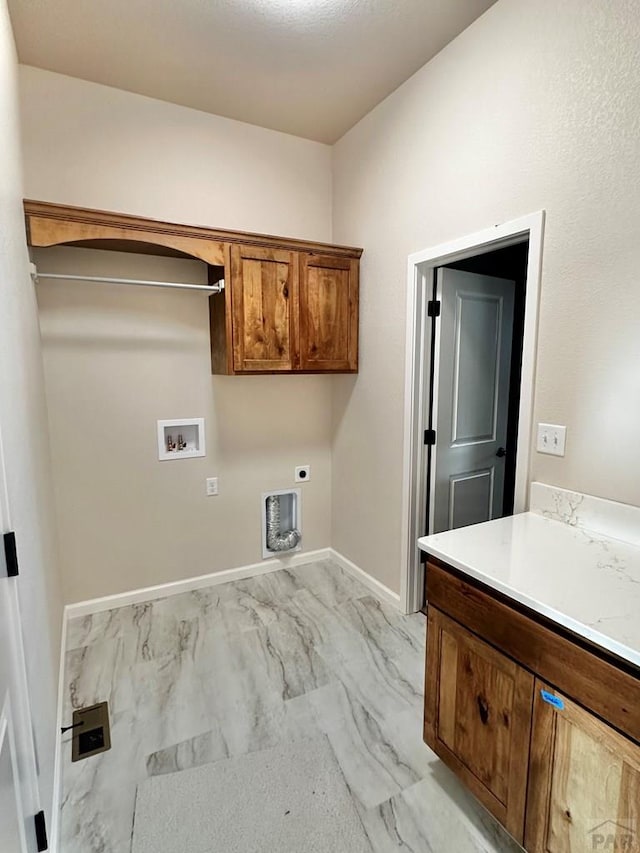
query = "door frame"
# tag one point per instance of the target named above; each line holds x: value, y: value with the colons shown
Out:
x: 16, y: 707
x: 418, y: 342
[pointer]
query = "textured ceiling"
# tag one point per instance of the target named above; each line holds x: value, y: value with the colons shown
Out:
x: 308, y: 67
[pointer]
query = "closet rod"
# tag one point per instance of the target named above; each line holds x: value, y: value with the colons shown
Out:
x: 215, y: 288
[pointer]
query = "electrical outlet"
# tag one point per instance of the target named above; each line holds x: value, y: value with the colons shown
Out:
x: 551, y: 439
x: 212, y: 486
x: 303, y: 473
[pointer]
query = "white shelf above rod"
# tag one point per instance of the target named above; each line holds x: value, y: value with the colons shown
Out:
x: 98, y: 279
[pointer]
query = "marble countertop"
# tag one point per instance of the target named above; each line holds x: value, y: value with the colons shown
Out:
x: 583, y: 580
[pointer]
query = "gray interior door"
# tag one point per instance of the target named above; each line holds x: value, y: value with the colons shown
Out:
x: 470, y: 398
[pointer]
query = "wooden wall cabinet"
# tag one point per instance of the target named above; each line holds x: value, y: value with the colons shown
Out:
x: 264, y: 309
x: 541, y: 755
x: 328, y: 313
x: 288, y: 306
x: 286, y: 311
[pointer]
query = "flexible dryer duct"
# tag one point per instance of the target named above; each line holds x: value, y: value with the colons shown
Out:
x: 276, y: 539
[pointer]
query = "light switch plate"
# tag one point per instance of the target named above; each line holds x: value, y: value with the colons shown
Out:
x: 551, y: 439
x: 212, y: 486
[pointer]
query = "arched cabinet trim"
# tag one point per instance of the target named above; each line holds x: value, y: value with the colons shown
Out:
x: 57, y: 225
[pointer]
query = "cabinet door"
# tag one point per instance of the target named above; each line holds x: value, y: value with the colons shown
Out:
x: 328, y: 313
x: 584, y: 782
x: 265, y: 309
x: 478, y: 717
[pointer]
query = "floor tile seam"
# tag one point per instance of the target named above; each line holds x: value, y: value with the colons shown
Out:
x: 385, y: 725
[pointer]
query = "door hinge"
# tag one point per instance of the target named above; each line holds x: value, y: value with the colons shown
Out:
x: 430, y: 437
x: 433, y: 308
x: 41, y: 832
x: 11, y: 554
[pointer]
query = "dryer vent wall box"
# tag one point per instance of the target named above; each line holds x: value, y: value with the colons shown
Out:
x: 289, y: 515
x: 181, y: 438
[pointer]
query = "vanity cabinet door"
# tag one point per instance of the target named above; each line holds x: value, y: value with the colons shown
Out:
x: 584, y: 781
x: 264, y: 286
x: 478, y: 717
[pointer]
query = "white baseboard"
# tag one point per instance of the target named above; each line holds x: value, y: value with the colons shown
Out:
x: 377, y: 588
x: 150, y: 593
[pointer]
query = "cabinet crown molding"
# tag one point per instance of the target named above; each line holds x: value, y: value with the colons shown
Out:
x: 61, y: 219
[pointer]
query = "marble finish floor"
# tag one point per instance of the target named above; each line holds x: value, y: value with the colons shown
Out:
x: 231, y: 669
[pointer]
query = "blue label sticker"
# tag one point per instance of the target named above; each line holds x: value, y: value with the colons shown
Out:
x: 556, y: 701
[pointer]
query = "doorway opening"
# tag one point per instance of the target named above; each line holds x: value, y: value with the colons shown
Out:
x: 470, y: 365
x: 474, y: 369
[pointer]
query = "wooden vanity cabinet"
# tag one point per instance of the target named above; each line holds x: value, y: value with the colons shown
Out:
x: 584, y: 782
x: 544, y: 730
x: 478, y: 717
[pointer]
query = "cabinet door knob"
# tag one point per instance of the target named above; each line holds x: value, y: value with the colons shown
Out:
x: 483, y: 709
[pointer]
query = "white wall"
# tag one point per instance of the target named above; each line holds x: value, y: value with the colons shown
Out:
x: 116, y: 360
x: 99, y: 147
x: 536, y: 105
x: 24, y: 432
